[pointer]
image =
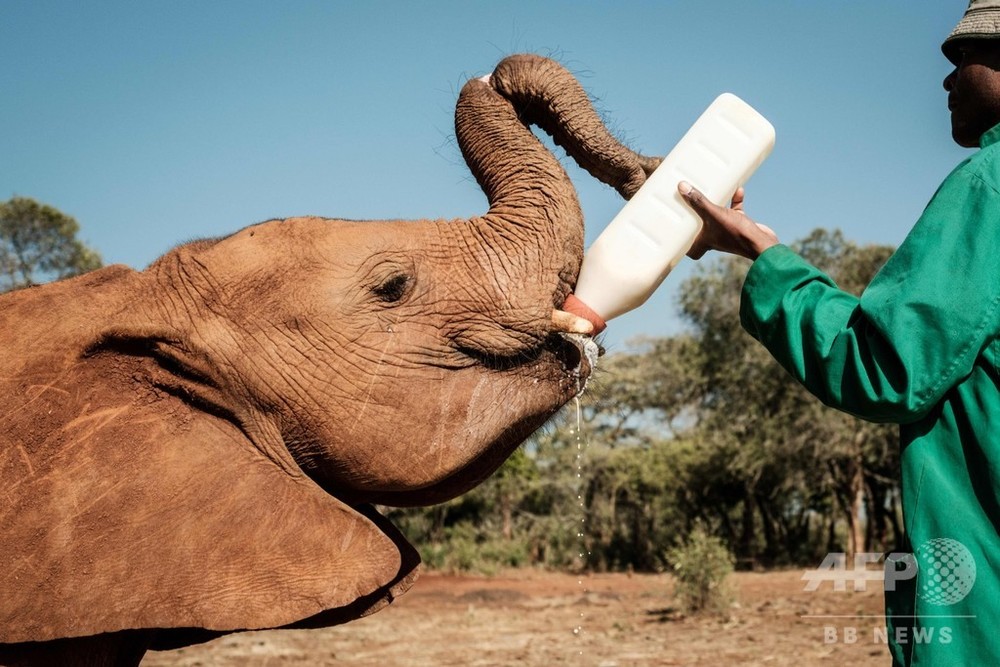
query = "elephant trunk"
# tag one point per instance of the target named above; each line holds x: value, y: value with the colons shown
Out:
x: 547, y: 95
x: 532, y: 202
x: 543, y: 93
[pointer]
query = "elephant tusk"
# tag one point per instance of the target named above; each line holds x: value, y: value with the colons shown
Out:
x: 570, y: 323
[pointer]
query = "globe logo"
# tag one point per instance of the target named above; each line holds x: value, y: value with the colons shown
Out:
x: 947, y: 571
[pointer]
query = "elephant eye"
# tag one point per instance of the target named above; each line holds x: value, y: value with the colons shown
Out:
x: 393, y: 288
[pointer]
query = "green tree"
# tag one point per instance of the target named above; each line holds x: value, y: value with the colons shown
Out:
x: 38, y: 243
x: 786, y: 458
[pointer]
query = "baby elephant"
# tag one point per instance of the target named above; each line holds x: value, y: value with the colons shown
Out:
x: 195, y: 449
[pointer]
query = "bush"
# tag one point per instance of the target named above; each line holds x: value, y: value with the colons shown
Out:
x: 468, y: 549
x: 701, y: 565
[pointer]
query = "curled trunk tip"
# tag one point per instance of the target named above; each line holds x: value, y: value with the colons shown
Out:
x: 546, y: 94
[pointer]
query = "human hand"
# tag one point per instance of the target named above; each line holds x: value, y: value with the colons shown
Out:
x: 726, y: 229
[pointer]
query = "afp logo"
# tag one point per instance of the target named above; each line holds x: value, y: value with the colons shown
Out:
x: 946, y: 568
x: 948, y: 571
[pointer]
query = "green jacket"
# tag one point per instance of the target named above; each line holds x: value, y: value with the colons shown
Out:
x: 919, y: 348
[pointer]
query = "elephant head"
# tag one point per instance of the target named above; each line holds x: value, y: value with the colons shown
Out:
x: 198, y: 445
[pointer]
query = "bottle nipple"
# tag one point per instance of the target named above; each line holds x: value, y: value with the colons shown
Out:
x: 579, y: 308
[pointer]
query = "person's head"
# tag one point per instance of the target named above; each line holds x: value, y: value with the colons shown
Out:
x: 974, y: 85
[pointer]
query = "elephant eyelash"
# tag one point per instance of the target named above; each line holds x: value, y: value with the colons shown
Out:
x: 393, y: 289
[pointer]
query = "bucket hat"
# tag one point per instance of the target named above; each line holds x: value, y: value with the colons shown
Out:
x: 981, y: 21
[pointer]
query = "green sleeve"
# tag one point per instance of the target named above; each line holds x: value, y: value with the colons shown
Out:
x: 915, y: 332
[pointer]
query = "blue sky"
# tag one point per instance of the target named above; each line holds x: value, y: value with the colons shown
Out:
x: 154, y: 123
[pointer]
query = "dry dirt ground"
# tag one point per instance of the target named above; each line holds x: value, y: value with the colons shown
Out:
x: 537, y: 618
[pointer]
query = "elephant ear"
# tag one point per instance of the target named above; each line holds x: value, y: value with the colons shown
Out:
x: 122, y: 514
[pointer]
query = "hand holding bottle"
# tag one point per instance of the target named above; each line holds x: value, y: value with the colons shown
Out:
x: 726, y: 229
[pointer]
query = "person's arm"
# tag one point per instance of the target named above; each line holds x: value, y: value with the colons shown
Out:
x: 915, y: 332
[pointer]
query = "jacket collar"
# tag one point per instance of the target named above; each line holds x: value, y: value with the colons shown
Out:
x: 990, y: 137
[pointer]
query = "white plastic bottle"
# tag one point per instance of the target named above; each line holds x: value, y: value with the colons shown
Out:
x: 655, y: 229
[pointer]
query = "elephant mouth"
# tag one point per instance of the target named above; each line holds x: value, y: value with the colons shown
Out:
x: 578, y: 354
